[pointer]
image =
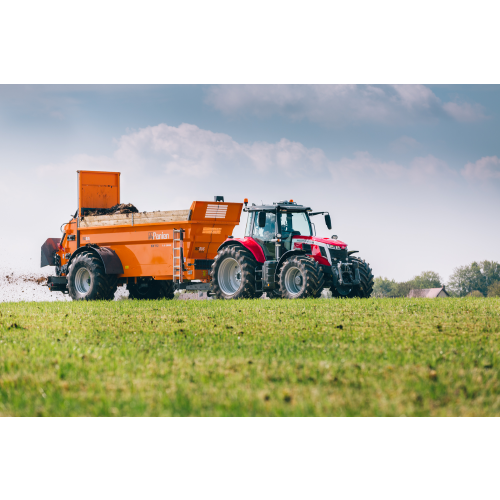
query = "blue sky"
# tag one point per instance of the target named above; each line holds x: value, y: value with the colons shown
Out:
x: 410, y: 174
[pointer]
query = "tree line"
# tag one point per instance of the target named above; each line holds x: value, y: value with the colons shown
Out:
x: 479, y: 279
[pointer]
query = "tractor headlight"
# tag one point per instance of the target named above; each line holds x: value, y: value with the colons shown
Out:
x: 334, y: 247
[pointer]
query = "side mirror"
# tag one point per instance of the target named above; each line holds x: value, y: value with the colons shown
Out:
x: 328, y: 221
x: 262, y: 219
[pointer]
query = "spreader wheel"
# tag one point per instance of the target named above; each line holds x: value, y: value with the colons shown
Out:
x: 87, y: 279
x: 233, y: 274
x: 151, y: 289
x: 301, y: 277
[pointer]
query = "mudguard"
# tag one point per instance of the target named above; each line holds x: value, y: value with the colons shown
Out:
x: 111, y: 262
x: 285, y: 256
x: 249, y: 243
x: 49, y: 249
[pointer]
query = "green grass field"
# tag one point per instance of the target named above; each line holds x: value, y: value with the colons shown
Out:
x: 373, y: 357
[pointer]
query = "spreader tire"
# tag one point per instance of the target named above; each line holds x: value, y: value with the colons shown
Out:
x: 87, y: 279
x: 233, y: 274
x: 365, y: 288
x: 151, y: 290
x: 301, y: 277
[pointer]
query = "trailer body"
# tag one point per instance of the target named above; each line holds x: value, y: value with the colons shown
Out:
x: 142, y: 242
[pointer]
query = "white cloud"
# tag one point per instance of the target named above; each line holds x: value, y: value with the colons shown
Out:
x: 464, y: 112
x: 423, y: 169
x: 190, y: 152
x: 339, y: 103
x: 484, y: 169
x: 420, y: 170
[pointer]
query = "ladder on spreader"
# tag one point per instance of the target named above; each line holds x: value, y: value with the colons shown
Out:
x: 178, y: 256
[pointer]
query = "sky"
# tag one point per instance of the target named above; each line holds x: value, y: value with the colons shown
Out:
x: 409, y: 173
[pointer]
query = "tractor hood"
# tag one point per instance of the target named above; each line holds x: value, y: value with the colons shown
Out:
x: 325, y: 241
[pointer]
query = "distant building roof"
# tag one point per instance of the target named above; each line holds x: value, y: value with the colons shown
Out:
x: 429, y: 293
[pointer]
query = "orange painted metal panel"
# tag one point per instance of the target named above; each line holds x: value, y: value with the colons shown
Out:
x: 145, y: 249
x: 98, y: 189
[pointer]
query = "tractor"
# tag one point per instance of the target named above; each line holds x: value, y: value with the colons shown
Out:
x: 281, y: 256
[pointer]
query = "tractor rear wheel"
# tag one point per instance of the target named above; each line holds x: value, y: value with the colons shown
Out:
x: 233, y: 274
x: 301, y: 277
x: 87, y: 279
x: 151, y: 289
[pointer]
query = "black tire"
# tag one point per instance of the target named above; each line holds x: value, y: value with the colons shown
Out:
x: 113, y: 285
x: 229, y: 263
x: 365, y: 288
x: 87, y: 279
x: 274, y: 294
x: 309, y: 278
x: 151, y: 290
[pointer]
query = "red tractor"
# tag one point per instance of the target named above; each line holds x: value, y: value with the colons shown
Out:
x: 280, y: 255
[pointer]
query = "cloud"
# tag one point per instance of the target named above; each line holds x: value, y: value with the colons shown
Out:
x: 464, y: 112
x: 484, y: 169
x: 420, y: 170
x: 339, y: 103
x: 190, y: 152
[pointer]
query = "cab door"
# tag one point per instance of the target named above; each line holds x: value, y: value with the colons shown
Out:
x: 264, y: 235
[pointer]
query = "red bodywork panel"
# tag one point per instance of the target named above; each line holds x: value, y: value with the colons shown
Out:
x: 253, y: 246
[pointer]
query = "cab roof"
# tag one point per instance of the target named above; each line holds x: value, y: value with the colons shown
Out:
x: 285, y: 206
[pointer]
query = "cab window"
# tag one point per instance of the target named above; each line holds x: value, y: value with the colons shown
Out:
x: 249, y: 224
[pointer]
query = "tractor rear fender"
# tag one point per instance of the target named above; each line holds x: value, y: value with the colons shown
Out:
x: 111, y: 262
x: 249, y: 243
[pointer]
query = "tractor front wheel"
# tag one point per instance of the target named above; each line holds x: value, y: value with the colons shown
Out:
x: 301, y: 277
x: 365, y: 288
x: 233, y: 274
x: 87, y: 279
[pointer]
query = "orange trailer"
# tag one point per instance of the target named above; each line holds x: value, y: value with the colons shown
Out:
x: 153, y: 253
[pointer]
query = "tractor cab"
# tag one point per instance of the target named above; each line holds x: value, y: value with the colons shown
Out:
x: 274, y: 226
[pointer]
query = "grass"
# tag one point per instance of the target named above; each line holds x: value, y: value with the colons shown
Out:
x: 376, y: 357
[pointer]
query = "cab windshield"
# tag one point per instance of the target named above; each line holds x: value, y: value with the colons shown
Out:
x: 295, y: 224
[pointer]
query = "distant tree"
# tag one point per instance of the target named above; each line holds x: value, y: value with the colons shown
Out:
x: 383, y: 287
x: 491, y: 271
x: 494, y: 289
x: 427, y: 279
x: 476, y: 276
x: 475, y: 293
x: 403, y: 289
